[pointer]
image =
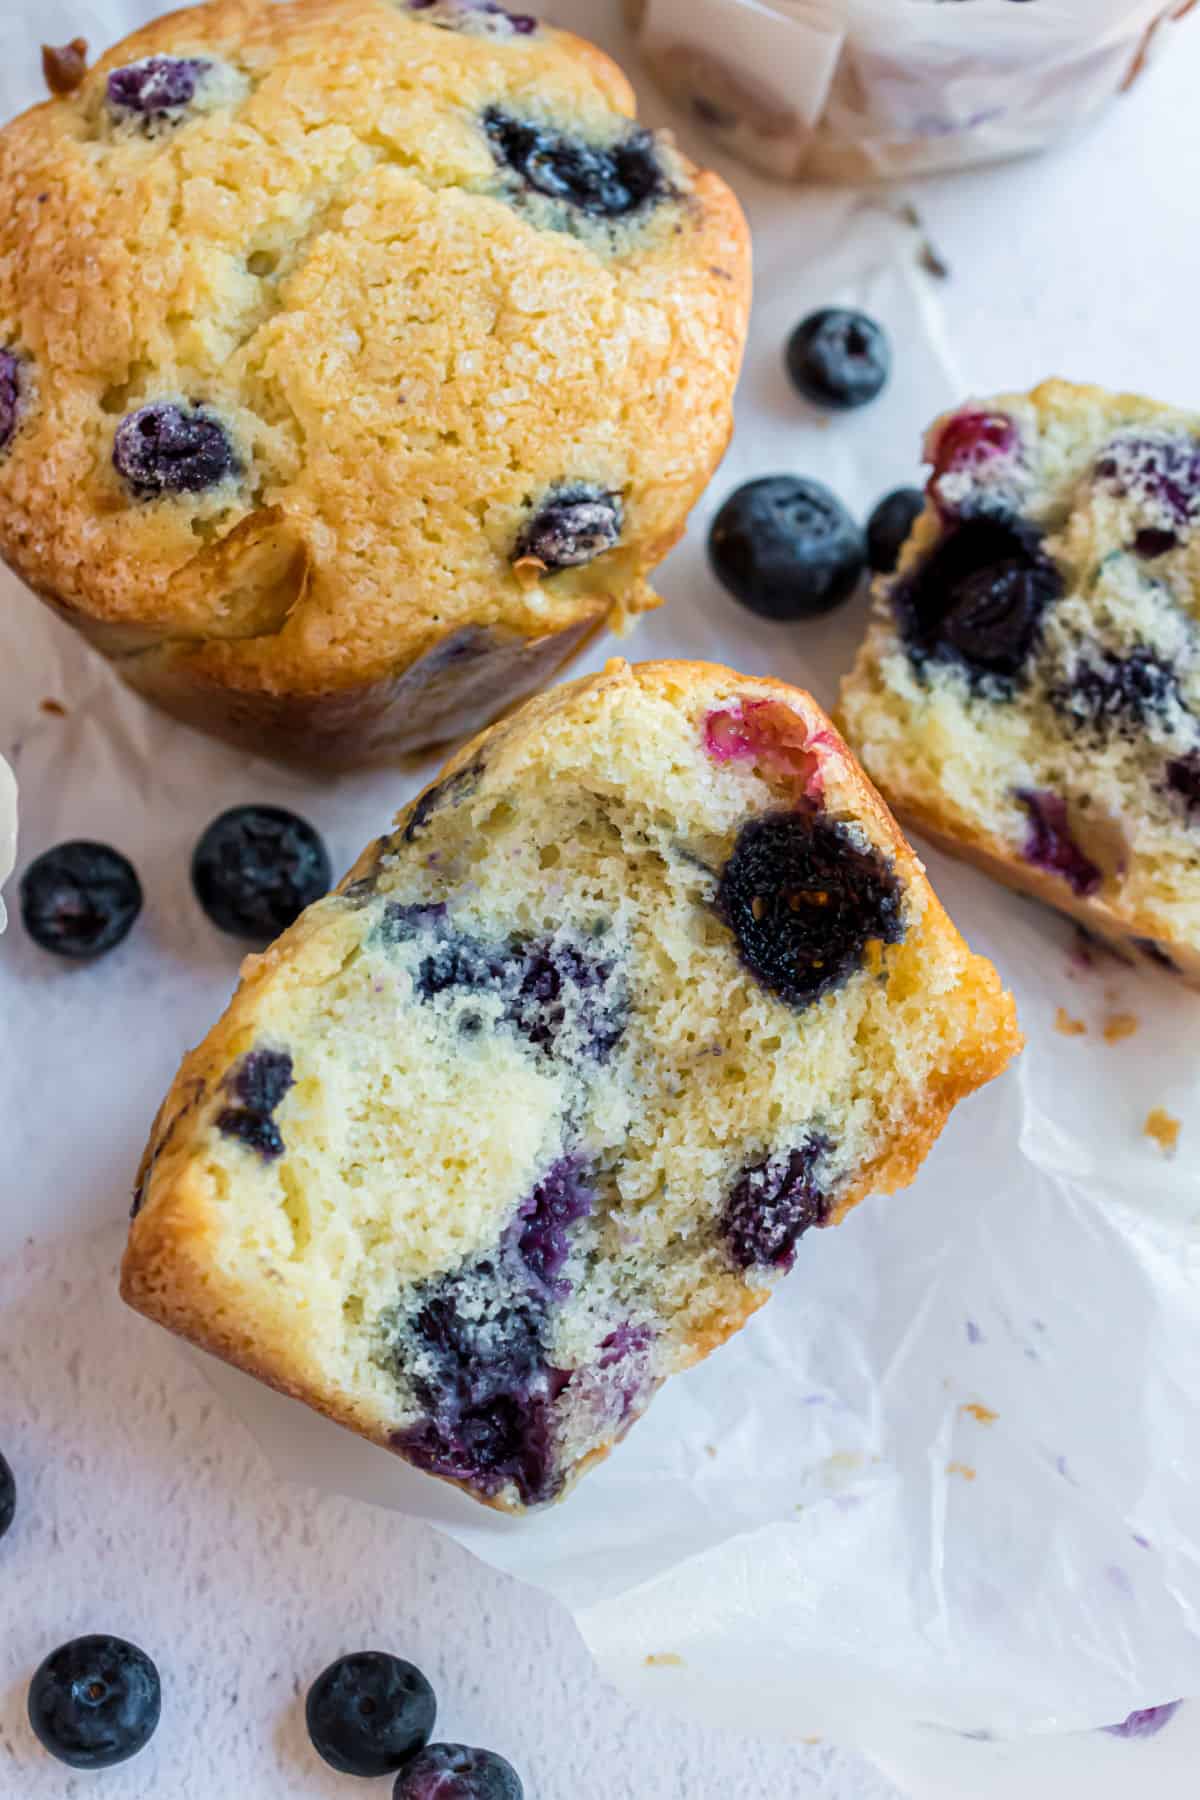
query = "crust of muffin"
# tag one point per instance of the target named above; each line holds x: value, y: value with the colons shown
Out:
x: 168, y: 1273
x: 301, y: 644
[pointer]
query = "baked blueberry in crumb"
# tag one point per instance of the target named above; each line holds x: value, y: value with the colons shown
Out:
x: 10, y: 396
x: 971, y: 446
x: 804, y: 899
x: 258, y: 1083
x: 443, y: 793
x: 839, y: 358
x: 1146, y: 1722
x: 457, y: 1772
x: 452, y: 14
x: 560, y: 1198
x: 773, y: 1204
x: 576, y: 524
x: 786, y: 548
x: 608, y: 181
x: 1183, y: 779
x: 1113, y: 693
x: 1050, y: 845
x: 978, y: 599
x: 8, y: 1495
x: 165, y: 448
x: 1159, y: 471
x: 160, y: 84
x: 256, y: 868
x: 889, y: 525
x: 95, y: 1702
x: 80, y: 899
x: 369, y: 1712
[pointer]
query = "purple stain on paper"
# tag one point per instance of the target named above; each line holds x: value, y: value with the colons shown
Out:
x: 1060, y: 1463
x: 1141, y: 1542
x: 1148, y: 1721
x: 974, y: 1335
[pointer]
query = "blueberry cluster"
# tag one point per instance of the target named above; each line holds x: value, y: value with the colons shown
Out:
x: 257, y: 1086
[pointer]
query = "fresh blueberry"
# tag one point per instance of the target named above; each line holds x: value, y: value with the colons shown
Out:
x: 978, y: 599
x: 158, y: 85
x: 1117, y: 693
x: 456, y: 1772
x: 803, y: 900
x: 256, y: 868
x: 368, y: 1713
x: 1146, y: 1722
x: 889, y: 525
x: 80, y: 898
x: 10, y: 396
x: 258, y: 1084
x: 786, y: 548
x: 839, y: 358
x: 8, y: 1495
x: 609, y: 181
x: 95, y: 1702
x: 168, y: 449
x: 1183, y: 779
x: 1050, y: 845
x: 773, y: 1203
x: 577, y: 524
x: 560, y: 1198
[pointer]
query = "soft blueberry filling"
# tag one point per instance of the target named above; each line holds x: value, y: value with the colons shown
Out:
x: 1049, y: 844
x: 10, y: 396
x: 160, y: 84
x: 1183, y: 779
x: 258, y: 1083
x: 1118, y: 693
x: 774, y: 1203
x: 453, y: 15
x: 540, y: 1229
x: 978, y: 599
x: 1157, y: 470
x: 803, y: 900
x: 608, y: 181
x: 164, y: 448
x: 578, y: 523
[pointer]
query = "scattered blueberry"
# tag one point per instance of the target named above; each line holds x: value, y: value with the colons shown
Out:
x: 10, y: 396
x: 8, y: 1495
x: 95, y: 1702
x: 256, y: 868
x: 1150, y: 543
x: 978, y: 599
x: 773, y: 1204
x: 839, y: 358
x: 804, y: 899
x: 786, y: 547
x: 1183, y: 778
x: 80, y: 898
x: 258, y: 1084
x: 1050, y: 845
x: 1113, y: 693
x: 369, y: 1712
x: 560, y: 1198
x: 972, y: 444
x: 1145, y: 1722
x: 1158, y: 469
x: 157, y: 85
x: 168, y: 449
x: 451, y: 13
x: 456, y: 1772
x: 609, y: 181
x: 577, y: 524
x: 889, y: 525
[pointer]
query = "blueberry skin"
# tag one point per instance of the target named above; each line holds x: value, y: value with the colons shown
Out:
x: 95, y: 1702
x: 10, y: 396
x: 786, y: 548
x: 168, y: 449
x: 456, y: 1772
x: 889, y: 525
x: 80, y: 898
x: 256, y: 868
x: 367, y: 1713
x: 8, y: 1495
x: 838, y: 358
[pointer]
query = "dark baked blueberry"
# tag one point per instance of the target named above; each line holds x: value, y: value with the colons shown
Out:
x: 560, y: 1198
x: 256, y: 868
x: 1115, y: 693
x: 8, y: 1495
x: 577, y: 524
x: 971, y: 443
x: 1149, y: 543
x: 889, y: 525
x: 773, y: 1204
x: 839, y: 358
x: 1183, y: 778
x: 786, y: 547
x: 1146, y: 1721
x: 369, y: 1712
x: 168, y: 449
x: 95, y: 1702
x: 978, y: 599
x: 609, y: 181
x: 159, y: 84
x: 1156, y: 468
x: 258, y: 1084
x: 561, y: 984
x: 804, y: 899
x: 451, y: 13
x: 1050, y: 845
x: 456, y: 1772
x: 80, y: 898
x: 449, y: 792
x: 10, y: 396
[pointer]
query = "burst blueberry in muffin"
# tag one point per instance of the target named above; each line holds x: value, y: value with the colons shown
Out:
x: 536, y: 1107
x: 1029, y: 694
x: 359, y: 359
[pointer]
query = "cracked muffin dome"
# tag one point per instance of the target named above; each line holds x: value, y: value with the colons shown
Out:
x: 1029, y: 693
x: 534, y: 1110
x: 358, y: 360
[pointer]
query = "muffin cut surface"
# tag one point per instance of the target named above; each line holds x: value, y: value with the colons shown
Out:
x: 1029, y: 693
x: 532, y: 1112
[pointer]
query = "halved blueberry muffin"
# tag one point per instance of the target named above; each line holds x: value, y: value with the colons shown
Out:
x: 1029, y: 693
x: 534, y: 1110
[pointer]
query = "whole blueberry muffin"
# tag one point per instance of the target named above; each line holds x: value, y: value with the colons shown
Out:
x: 1029, y: 693
x: 358, y: 361
x: 534, y: 1110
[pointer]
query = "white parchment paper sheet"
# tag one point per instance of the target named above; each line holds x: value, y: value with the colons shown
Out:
x: 810, y: 1533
